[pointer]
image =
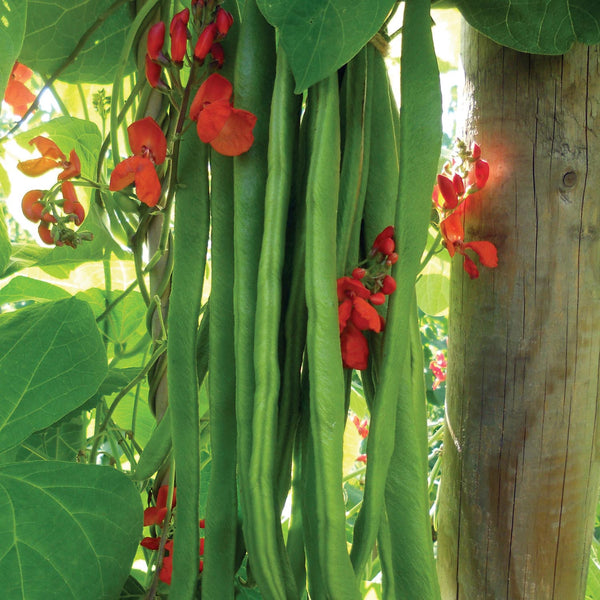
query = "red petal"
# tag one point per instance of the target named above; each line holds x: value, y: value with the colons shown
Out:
x: 487, y: 252
x: 181, y: 17
x: 475, y: 151
x: 364, y: 315
x: 348, y: 287
x: 72, y: 168
x: 31, y: 206
x: 355, y: 349
x: 452, y: 228
x: 389, y: 285
x: 459, y: 184
x: 145, y: 136
x: 215, y: 88
x: 21, y: 73
x: 37, y: 166
x: 482, y: 172
x: 178, y: 40
x: 47, y: 148
x: 236, y: 136
x: 147, y: 183
x: 163, y: 492
x: 68, y: 191
x: 470, y: 267
x: 205, y: 41
x: 212, y: 119
x: 223, y: 21
x: 448, y: 191
x: 166, y: 570
x: 216, y: 51
x: 344, y: 312
x: 154, y: 515
x: 124, y: 173
x: 156, y: 39
x: 150, y: 543
x: 388, y: 232
x: 18, y: 96
x: 153, y: 71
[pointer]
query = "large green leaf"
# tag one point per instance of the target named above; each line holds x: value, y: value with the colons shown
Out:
x: 13, y: 14
x: 536, y: 26
x: 54, y: 28
x: 69, y: 133
x: 22, y: 288
x: 5, y: 245
x: 51, y: 361
x: 321, y: 36
x: 68, y: 532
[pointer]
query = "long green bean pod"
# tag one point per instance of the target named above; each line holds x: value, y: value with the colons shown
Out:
x: 264, y: 537
x: 420, y: 131
x: 190, y: 243
x: 327, y: 414
x: 253, y: 84
x: 221, y: 529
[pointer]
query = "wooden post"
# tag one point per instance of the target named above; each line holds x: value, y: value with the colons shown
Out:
x: 521, y: 469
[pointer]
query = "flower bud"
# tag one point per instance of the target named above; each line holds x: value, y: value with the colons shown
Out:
x: 223, y: 21
x: 359, y: 273
x: 216, y: 51
x: 377, y: 299
x: 205, y: 41
x: 156, y: 39
x: 389, y: 285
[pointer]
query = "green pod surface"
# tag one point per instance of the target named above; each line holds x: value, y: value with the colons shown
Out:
x: 327, y: 397
x: 189, y: 248
x: 156, y: 450
x: 355, y: 157
x: 253, y: 85
x: 420, y: 139
x: 264, y: 538
x: 221, y: 529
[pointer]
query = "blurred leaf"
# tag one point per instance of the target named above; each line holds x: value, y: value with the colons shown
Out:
x: 320, y: 37
x: 51, y: 361
x: 535, y: 26
x: 54, y: 28
x: 433, y: 293
x: 5, y: 245
x: 13, y: 14
x: 132, y: 589
x: 116, y: 379
x: 4, y: 183
x: 25, y: 288
x: 69, y: 531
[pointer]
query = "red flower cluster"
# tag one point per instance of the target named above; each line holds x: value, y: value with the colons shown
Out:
x: 149, y: 147
x: 358, y: 295
x: 17, y: 94
x: 363, y: 430
x: 449, y: 195
x: 39, y: 206
x: 155, y: 515
x: 227, y: 129
x: 438, y: 368
x: 213, y: 32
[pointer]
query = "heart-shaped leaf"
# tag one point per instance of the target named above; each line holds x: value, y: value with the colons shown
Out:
x: 51, y: 361
x: 69, y: 531
x: 319, y: 37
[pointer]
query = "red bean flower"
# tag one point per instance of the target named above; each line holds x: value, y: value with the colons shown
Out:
x: 149, y: 147
x: 17, y: 94
x: 179, y: 35
x: 454, y: 234
x: 227, y: 129
x: 52, y: 158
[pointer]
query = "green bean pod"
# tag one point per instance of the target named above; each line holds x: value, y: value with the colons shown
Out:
x: 327, y: 414
x: 156, y: 450
x: 264, y: 537
x: 253, y: 85
x: 356, y: 102
x: 221, y: 529
x: 420, y: 139
x: 189, y: 247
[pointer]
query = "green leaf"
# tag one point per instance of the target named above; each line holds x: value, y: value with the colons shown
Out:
x: 433, y: 293
x: 22, y: 288
x: 4, y: 182
x: 69, y: 133
x: 116, y: 379
x: 54, y: 28
x: 5, y: 245
x: 13, y: 14
x: 51, y: 361
x: 319, y: 37
x: 61, y: 441
x: 536, y: 26
x: 69, y: 531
